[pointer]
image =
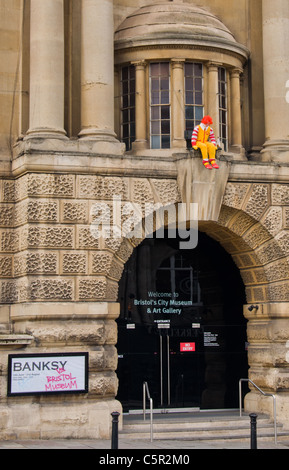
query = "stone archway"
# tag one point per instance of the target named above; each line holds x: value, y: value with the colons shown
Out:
x: 251, y: 229
x: 250, y: 220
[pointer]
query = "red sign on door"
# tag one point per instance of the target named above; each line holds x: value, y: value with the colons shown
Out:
x: 187, y: 347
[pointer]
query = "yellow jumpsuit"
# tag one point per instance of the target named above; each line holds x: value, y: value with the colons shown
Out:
x: 200, y: 140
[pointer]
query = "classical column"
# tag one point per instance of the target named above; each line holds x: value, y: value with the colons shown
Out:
x: 236, y: 119
x: 276, y: 75
x: 97, y: 71
x: 141, y: 141
x: 178, y: 118
x: 46, y: 69
x: 213, y: 96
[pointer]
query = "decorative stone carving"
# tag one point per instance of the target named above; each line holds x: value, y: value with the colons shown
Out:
x: 101, y: 262
x: 258, y: 200
x: 167, y: 191
x: 96, y: 289
x: 9, y: 240
x: 283, y: 241
x: 35, y: 263
x: 286, y: 217
x: 98, y: 187
x: 85, y: 238
x: 50, y: 236
x: 74, y: 263
x: 235, y: 194
x: 15, y: 190
x: 142, y: 192
x: 241, y: 223
x: 279, y: 292
x: 280, y: 194
x: 42, y: 211
x: 74, y: 211
x: 8, y: 292
x: 51, y: 289
x: 6, y: 215
x: 50, y: 185
x: 256, y: 236
x: 277, y: 271
x: 5, y: 266
x: 269, y: 252
x: 272, y: 220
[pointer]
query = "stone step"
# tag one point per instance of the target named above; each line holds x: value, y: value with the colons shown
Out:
x: 196, y: 425
x: 199, y: 427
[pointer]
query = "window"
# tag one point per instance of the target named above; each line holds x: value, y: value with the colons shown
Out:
x: 194, y: 106
x: 223, y: 128
x: 128, y: 106
x: 178, y: 273
x: 160, y: 109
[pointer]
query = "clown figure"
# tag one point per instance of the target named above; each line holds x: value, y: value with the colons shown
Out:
x: 200, y: 139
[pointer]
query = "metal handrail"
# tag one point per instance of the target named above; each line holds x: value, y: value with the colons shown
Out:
x: 147, y: 392
x: 263, y: 393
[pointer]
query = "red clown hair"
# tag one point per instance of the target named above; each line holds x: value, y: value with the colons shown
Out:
x: 207, y: 120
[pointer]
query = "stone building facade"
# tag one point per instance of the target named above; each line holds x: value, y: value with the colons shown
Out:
x: 70, y: 142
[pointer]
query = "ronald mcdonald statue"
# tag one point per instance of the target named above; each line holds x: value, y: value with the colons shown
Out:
x: 200, y: 136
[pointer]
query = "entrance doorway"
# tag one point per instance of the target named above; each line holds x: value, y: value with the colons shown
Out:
x: 181, y: 326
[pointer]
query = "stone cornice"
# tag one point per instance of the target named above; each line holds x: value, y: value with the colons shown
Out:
x: 78, y: 157
x: 231, y: 49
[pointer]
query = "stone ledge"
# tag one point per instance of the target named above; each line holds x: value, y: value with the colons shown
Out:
x: 13, y: 341
x: 78, y: 156
x: 65, y: 310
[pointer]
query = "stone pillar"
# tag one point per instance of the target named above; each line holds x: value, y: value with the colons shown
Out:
x: 268, y: 357
x: 213, y: 96
x: 141, y: 141
x: 276, y: 75
x: 178, y: 118
x: 47, y: 69
x: 97, y: 74
x: 236, y: 119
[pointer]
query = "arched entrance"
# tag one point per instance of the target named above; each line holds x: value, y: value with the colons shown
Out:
x: 181, y: 326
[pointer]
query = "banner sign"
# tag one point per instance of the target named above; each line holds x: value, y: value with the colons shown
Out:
x: 31, y: 374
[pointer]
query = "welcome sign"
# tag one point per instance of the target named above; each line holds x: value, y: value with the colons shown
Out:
x: 32, y: 374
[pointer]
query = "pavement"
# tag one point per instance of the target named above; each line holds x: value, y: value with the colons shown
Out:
x: 140, y: 445
x: 144, y: 446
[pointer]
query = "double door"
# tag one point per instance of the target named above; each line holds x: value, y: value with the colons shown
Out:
x: 168, y: 359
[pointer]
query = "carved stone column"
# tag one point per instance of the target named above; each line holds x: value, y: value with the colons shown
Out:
x: 213, y: 96
x: 141, y: 141
x: 47, y: 69
x: 276, y: 74
x: 236, y: 120
x: 97, y: 74
x: 178, y: 118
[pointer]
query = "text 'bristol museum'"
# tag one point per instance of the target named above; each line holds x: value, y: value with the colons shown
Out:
x: 130, y: 250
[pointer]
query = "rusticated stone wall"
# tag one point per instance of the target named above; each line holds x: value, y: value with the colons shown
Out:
x: 49, y: 251
x: 256, y: 219
x: 58, y: 292
x: 59, y: 284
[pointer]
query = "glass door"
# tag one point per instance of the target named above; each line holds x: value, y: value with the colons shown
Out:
x: 181, y: 327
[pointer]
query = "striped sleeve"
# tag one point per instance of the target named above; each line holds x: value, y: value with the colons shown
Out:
x: 212, y: 137
x: 195, y: 136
